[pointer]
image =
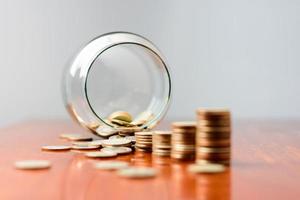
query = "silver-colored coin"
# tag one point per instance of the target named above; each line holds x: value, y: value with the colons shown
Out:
x: 118, y: 150
x: 111, y: 165
x: 101, y: 154
x: 56, y: 147
x: 137, y: 172
x: 32, y: 164
x: 106, y: 131
x: 116, y: 142
x: 88, y: 147
x: 206, y: 168
x: 79, y: 138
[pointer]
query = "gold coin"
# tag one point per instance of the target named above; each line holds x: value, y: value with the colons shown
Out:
x: 215, y: 129
x: 120, y: 115
x: 101, y: 154
x: 213, y: 150
x: 184, y: 125
x: 137, y: 172
x: 145, y: 133
x: 56, y: 148
x: 213, y: 111
x: 205, y: 142
x: 214, y: 123
x: 111, y: 165
x: 32, y: 164
x: 206, y: 168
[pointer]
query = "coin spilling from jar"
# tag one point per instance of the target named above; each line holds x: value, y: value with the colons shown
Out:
x: 206, y: 141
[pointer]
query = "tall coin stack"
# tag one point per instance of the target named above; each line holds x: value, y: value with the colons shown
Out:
x: 162, y: 143
x: 143, y: 141
x: 183, y: 140
x: 213, y: 136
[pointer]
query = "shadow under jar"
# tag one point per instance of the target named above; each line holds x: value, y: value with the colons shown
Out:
x: 117, y: 71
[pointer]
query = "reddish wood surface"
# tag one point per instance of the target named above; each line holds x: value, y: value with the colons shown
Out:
x: 265, y: 165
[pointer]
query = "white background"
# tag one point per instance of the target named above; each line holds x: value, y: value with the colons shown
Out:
x: 241, y: 54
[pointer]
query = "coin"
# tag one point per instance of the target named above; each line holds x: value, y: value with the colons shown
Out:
x: 118, y: 150
x: 79, y: 138
x: 68, y: 135
x: 56, y: 148
x: 213, y: 136
x: 143, y: 141
x: 88, y: 143
x: 116, y: 142
x: 115, y: 137
x: 120, y: 115
x: 184, y: 125
x: 111, y: 165
x: 214, y: 123
x: 206, y: 168
x: 32, y: 164
x: 214, y: 129
x: 143, y: 118
x: 121, y: 123
x: 213, y: 150
x: 101, y: 154
x: 105, y: 131
x: 205, y: 142
x: 213, y: 111
x: 222, y: 162
x: 88, y: 147
x: 137, y: 172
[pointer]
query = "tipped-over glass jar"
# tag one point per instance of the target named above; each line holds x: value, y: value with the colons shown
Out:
x: 118, y: 81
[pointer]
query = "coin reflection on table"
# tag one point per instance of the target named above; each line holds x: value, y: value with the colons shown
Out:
x: 183, y: 183
x: 141, y: 159
x: 213, y: 186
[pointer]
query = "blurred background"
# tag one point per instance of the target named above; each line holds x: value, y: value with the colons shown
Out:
x: 239, y: 54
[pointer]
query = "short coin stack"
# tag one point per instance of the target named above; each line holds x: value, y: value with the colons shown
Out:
x: 213, y: 136
x: 143, y: 141
x: 183, y: 140
x: 162, y: 143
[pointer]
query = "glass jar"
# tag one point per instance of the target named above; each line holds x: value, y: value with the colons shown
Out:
x: 117, y: 71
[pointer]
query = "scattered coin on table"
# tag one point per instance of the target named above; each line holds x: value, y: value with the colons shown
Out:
x: 116, y: 142
x: 137, y: 172
x: 32, y: 164
x: 111, y: 165
x: 76, y: 137
x: 118, y: 150
x: 206, y: 168
x: 101, y: 154
x: 88, y: 147
x: 56, y: 148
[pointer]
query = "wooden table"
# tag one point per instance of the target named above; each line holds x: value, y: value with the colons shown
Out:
x: 265, y: 165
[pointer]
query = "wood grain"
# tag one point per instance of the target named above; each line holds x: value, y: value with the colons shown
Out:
x: 265, y: 165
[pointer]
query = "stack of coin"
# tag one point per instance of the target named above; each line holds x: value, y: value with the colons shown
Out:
x: 143, y: 141
x: 162, y: 143
x: 213, y: 136
x: 183, y: 140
